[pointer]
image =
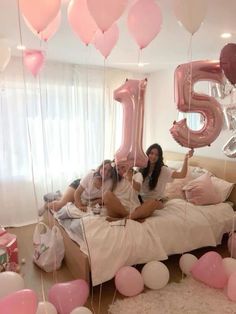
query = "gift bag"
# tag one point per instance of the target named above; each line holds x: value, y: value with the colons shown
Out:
x: 48, y: 247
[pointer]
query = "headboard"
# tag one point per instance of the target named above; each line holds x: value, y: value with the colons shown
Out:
x: 224, y: 169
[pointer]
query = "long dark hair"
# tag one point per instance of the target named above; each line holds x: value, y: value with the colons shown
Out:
x: 153, y: 179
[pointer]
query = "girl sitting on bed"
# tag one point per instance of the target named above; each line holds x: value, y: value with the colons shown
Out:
x: 156, y: 175
x: 123, y: 201
x: 84, y: 192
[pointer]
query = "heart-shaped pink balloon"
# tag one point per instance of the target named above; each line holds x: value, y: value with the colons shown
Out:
x: 105, y: 42
x: 228, y: 62
x: 20, y: 302
x: 69, y: 295
x: 34, y: 61
x: 210, y: 270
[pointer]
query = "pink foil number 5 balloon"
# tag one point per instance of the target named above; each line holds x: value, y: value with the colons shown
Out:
x: 189, y: 101
x: 131, y: 95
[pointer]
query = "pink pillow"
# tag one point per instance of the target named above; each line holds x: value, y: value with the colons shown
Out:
x: 201, y: 191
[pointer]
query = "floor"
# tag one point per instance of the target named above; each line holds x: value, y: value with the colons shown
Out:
x: 101, y: 296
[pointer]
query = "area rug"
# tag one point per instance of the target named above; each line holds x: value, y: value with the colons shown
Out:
x: 186, y: 297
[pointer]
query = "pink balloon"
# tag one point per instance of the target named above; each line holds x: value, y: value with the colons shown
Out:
x: 105, y: 42
x: 81, y: 20
x: 129, y: 281
x: 144, y: 21
x: 106, y: 12
x: 39, y: 13
x: 210, y: 270
x: 206, y: 105
x: 228, y: 62
x: 231, y: 287
x: 69, y: 295
x: 20, y: 302
x: 131, y: 95
x: 49, y: 31
x: 232, y: 245
x: 34, y: 60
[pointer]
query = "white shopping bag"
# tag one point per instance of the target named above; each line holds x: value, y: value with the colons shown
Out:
x: 48, y: 247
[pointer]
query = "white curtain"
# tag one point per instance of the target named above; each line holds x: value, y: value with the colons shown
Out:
x: 53, y: 129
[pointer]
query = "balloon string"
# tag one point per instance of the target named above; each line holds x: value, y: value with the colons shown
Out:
x: 190, y: 81
x: 90, y: 263
x: 189, y: 78
x: 100, y: 298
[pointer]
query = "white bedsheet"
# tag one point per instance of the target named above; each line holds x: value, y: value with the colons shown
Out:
x: 179, y: 227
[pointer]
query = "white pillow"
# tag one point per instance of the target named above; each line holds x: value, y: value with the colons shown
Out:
x: 196, y: 172
x: 224, y: 188
x: 201, y: 191
x: 174, y: 164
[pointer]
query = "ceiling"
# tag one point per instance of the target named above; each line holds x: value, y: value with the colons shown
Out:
x: 169, y: 48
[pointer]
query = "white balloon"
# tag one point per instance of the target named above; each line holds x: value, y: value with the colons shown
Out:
x: 186, y: 263
x: 46, y: 308
x: 190, y: 13
x: 155, y: 275
x: 5, y: 54
x: 229, y: 148
x: 10, y: 282
x: 81, y: 310
x: 229, y: 265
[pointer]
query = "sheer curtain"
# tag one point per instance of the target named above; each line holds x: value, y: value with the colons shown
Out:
x: 53, y: 129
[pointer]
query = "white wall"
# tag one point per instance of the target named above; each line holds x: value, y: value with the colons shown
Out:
x: 161, y: 111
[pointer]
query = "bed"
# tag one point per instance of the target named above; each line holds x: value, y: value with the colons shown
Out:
x: 95, y: 249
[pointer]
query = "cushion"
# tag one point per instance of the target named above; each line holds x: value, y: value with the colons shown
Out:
x: 174, y: 164
x: 201, y: 191
x: 224, y: 188
x: 174, y: 189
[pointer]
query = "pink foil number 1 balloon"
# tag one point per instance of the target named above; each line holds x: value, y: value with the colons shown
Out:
x: 131, y: 95
x: 189, y: 101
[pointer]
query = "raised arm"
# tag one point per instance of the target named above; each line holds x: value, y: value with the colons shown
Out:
x: 183, y: 172
x: 130, y: 177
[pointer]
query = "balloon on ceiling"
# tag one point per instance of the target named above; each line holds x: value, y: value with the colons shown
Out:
x: 228, y: 62
x: 34, y: 61
x: 39, y: 14
x: 190, y: 13
x: 81, y: 20
x: 106, y: 12
x: 144, y: 21
x: 106, y: 41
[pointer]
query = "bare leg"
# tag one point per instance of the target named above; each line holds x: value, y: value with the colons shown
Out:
x: 145, y: 210
x: 114, y: 207
x: 67, y: 197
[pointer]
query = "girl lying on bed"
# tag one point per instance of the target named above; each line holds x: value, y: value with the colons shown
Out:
x: 124, y: 201
x: 84, y: 192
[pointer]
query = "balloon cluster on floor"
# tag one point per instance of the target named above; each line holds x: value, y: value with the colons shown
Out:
x: 130, y: 282
x: 63, y: 298
x: 212, y: 269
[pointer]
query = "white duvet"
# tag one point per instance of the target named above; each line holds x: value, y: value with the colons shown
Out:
x: 179, y: 227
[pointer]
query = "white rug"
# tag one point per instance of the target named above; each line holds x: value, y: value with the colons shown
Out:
x: 186, y: 297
